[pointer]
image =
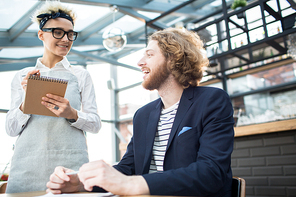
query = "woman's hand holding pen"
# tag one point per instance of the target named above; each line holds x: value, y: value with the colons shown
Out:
x: 25, y: 81
x: 60, y: 182
x: 60, y: 106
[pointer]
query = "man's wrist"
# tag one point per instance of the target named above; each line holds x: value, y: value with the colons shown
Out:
x: 81, y: 187
x: 138, y: 185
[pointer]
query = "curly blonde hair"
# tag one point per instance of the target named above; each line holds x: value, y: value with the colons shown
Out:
x: 184, y: 49
x: 52, y: 7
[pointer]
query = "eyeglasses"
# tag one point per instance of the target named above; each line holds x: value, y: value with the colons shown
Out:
x: 59, y: 33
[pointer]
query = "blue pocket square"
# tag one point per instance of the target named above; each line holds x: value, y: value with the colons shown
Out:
x: 184, y: 129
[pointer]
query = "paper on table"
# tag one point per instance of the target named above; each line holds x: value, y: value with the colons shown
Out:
x: 78, y: 195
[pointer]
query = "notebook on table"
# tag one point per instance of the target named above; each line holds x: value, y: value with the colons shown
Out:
x: 38, y: 87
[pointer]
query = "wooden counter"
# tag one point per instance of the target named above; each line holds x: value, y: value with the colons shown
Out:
x: 270, y: 127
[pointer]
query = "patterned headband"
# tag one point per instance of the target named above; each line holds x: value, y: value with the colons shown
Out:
x: 46, y: 17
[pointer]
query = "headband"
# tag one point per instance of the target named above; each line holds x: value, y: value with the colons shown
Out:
x: 46, y: 17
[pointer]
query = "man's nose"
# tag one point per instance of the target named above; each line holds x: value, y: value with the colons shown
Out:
x: 141, y: 62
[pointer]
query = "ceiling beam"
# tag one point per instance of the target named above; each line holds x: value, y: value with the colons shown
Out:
x: 277, y: 46
x: 22, y: 24
x: 170, y: 11
x: 99, y: 25
x: 108, y: 60
x: 3, y: 110
x: 31, y: 40
x: 151, y: 6
x: 292, y: 3
x: 15, y: 66
x: 237, y: 25
x: 271, y: 11
x: 241, y: 57
x: 142, y: 18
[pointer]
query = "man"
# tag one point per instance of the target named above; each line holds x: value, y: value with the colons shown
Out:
x: 182, y: 142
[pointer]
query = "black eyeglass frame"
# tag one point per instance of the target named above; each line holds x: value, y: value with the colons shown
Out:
x: 65, y: 32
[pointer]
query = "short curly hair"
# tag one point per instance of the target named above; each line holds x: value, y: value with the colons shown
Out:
x: 185, y: 51
x: 52, y: 7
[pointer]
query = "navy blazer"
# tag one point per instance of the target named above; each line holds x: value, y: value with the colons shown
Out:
x: 198, y: 156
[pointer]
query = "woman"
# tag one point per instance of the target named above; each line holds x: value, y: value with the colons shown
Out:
x: 45, y: 142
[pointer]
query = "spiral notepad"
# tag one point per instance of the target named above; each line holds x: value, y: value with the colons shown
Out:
x: 38, y: 87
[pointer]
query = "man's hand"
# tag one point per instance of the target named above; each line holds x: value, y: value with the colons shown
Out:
x: 100, y: 174
x: 60, y: 182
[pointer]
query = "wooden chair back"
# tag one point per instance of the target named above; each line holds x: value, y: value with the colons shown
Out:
x: 238, y: 187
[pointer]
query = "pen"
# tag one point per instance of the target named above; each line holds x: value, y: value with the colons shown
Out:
x: 71, y: 173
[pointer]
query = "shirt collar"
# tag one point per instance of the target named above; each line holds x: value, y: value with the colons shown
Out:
x: 63, y: 63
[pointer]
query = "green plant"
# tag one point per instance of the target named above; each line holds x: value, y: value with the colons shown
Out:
x: 260, y: 55
x: 238, y: 3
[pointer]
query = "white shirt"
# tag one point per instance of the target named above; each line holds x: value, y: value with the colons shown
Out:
x: 162, y: 135
x: 88, y: 118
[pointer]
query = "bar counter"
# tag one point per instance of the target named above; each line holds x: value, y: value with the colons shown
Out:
x: 269, y: 127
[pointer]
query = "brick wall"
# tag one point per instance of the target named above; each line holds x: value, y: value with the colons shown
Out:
x: 267, y: 162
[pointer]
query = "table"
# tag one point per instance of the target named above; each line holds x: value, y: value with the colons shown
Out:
x: 24, y: 194
x: 38, y: 193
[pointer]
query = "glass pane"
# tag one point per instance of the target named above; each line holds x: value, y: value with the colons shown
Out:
x: 150, y: 15
x: 263, y: 79
x: 21, y: 52
x: 6, y: 145
x: 100, y: 74
x: 256, y: 34
x: 133, y: 24
x: 238, y: 41
x: 87, y: 14
x: 254, y: 20
x: 273, y: 5
x: 265, y: 107
x: 6, y: 78
x: 125, y: 76
x: 6, y: 141
x: 18, y: 7
x: 132, y: 99
x: 274, y: 28
x: 216, y: 85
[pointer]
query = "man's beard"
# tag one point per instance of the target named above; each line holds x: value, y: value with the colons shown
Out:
x: 157, y: 78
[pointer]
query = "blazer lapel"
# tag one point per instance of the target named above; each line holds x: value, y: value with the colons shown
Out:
x: 150, y: 135
x: 184, y: 106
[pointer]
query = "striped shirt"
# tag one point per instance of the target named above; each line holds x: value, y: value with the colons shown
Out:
x: 162, y: 135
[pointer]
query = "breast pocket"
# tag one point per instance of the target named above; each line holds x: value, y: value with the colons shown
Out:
x: 187, y: 145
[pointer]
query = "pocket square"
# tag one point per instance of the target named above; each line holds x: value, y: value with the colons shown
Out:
x: 184, y: 129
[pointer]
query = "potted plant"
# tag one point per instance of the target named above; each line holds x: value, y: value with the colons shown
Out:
x: 238, y: 4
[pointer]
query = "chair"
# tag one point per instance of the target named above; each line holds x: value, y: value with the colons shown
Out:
x: 238, y: 187
x: 3, y: 187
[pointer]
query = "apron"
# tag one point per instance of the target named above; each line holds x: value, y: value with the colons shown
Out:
x: 47, y: 142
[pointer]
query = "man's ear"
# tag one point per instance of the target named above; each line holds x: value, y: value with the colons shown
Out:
x: 40, y: 35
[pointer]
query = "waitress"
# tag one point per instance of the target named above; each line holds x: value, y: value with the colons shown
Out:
x: 45, y: 142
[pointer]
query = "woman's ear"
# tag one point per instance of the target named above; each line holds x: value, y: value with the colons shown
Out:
x: 40, y: 35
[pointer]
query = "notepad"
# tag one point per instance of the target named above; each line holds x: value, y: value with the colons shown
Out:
x: 38, y: 87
